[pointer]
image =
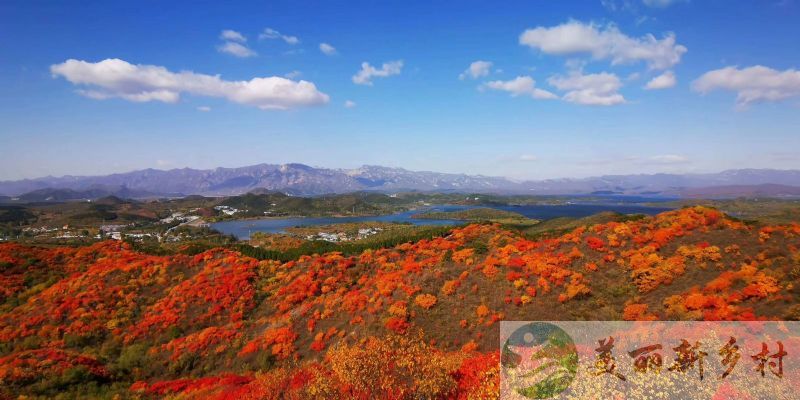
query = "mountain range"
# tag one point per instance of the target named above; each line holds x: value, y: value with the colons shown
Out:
x: 299, y: 179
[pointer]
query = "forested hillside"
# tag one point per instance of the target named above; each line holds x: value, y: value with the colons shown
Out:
x: 417, y: 319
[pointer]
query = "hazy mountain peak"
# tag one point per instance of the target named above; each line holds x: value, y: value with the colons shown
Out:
x: 302, y: 179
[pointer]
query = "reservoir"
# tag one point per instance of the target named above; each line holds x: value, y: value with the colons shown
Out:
x: 243, y: 228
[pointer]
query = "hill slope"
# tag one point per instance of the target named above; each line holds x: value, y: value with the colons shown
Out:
x: 104, y: 319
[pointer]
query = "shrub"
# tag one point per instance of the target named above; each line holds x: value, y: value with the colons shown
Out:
x: 425, y: 301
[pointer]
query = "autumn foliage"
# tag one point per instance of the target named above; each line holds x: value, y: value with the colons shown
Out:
x: 222, y: 325
x: 425, y: 301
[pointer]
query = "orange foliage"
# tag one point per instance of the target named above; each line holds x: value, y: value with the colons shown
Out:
x: 222, y: 306
x: 463, y: 256
x: 450, y: 287
x: 482, y: 311
x: 637, y: 312
x: 425, y: 301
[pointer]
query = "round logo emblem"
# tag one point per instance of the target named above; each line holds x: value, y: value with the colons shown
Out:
x: 539, y: 361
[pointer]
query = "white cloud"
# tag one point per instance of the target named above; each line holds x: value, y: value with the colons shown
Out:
x: 270, y: 33
x: 528, y: 157
x: 350, y: 104
x: 234, y: 44
x: 204, y: 108
x: 668, y: 159
x: 327, y: 49
x: 660, y: 3
x: 164, y: 96
x: 618, y: 5
x: 367, y: 72
x: 663, y: 81
x: 520, y: 86
x: 592, y: 89
x: 236, y: 49
x: 141, y: 83
x: 575, y: 37
x: 476, y: 70
x: 233, y: 36
x: 293, y: 74
x: 752, y: 84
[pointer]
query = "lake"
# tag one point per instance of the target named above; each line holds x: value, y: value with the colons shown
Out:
x: 243, y: 228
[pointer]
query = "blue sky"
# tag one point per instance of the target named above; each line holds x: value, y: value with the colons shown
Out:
x: 567, y: 99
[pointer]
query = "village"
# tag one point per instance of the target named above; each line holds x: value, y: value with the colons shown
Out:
x: 342, y: 236
x: 178, y: 227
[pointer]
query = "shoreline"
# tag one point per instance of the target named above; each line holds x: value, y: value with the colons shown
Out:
x: 266, y: 217
x: 262, y: 218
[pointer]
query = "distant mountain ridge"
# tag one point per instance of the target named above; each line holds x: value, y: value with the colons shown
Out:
x: 300, y: 179
x: 763, y: 190
x: 93, y: 192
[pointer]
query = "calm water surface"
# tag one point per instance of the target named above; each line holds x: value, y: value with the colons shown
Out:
x: 243, y: 229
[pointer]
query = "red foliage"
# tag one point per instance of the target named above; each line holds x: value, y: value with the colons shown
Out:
x: 32, y: 365
x: 188, y: 385
x: 478, y: 376
x: 222, y: 305
x: 595, y: 243
x: 221, y: 292
x: 397, y: 325
x: 280, y: 341
x: 200, y: 342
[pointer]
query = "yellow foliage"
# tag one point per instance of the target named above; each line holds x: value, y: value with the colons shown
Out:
x: 394, y: 366
x: 399, y: 309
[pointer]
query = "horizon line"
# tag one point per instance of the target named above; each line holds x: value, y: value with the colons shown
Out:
x: 515, y: 180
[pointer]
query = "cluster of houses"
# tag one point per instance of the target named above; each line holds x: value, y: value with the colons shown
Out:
x: 143, y: 235
x: 64, y: 232
x: 50, y: 232
x: 42, y: 229
x: 111, y: 231
x: 179, y: 217
x: 115, y: 232
x: 270, y: 212
x: 69, y: 235
x: 227, y: 210
x: 342, y: 236
x: 124, y: 231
